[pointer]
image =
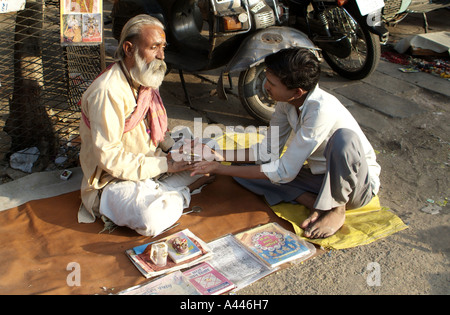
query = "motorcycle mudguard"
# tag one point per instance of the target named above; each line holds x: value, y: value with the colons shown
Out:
x: 265, y: 42
x: 256, y: 47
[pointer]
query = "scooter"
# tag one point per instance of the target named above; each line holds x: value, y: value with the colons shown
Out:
x: 232, y: 35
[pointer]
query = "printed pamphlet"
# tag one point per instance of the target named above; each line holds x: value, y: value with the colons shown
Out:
x: 275, y: 245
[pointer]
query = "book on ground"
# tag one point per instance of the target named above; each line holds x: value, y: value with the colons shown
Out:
x: 275, y: 245
x: 235, y: 262
x: 207, y: 280
x: 174, y: 283
x: 140, y: 256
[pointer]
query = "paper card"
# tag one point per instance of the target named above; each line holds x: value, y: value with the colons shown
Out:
x: 369, y: 6
x: 11, y: 5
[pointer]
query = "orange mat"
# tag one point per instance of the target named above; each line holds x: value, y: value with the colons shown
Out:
x: 40, y: 240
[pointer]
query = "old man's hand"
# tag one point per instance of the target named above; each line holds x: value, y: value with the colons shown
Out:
x: 203, y: 151
x: 179, y: 166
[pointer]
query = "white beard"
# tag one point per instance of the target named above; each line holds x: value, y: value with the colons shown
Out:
x: 148, y: 74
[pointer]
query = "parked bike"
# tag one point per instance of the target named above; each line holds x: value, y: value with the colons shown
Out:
x: 349, y: 32
x: 234, y: 35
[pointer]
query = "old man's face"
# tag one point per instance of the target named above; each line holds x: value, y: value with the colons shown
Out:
x: 149, y: 67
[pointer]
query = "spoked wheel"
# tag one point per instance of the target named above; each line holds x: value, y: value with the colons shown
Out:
x: 365, y: 46
x: 253, y: 95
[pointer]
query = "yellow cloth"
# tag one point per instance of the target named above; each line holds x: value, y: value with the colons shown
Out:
x: 362, y: 226
x: 237, y: 140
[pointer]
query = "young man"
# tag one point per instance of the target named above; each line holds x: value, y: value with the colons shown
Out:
x: 124, y: 139
x: 341, y: 170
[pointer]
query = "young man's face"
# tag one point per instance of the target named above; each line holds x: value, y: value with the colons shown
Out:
x: 277, y: 90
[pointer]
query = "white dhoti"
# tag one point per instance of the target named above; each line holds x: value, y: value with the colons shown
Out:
x: 148, y: 206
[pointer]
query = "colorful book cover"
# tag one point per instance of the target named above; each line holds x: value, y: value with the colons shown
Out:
x: 207, y: 280
x: 273, y: 244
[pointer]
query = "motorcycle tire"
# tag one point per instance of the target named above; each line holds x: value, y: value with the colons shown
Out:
x: 373, y: 54
x: 253, y: 95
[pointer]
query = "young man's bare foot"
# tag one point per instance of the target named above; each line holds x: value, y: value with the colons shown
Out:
x: 313, y: 216
x: 327, y: 224
x: 308, y: 200
x: 200, y: 182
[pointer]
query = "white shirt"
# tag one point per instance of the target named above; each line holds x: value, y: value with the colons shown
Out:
x: 320, y: 116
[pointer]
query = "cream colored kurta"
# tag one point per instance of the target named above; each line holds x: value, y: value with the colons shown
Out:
x: 108, y: 154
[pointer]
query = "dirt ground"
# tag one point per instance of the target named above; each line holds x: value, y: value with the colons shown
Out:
x: 414, y: 157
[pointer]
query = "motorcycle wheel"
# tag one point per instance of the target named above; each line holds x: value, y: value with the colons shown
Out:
x: 365, y: 47
x: 253, y: 95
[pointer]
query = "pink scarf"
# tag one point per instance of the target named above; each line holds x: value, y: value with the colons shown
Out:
x: 149, y: 103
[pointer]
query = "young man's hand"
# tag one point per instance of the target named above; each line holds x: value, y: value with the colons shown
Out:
x: 205, y: 168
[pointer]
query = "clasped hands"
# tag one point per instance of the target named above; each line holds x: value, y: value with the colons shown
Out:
x: 194, y: 156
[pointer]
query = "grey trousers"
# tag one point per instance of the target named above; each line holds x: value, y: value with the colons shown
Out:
x: 345, y: 182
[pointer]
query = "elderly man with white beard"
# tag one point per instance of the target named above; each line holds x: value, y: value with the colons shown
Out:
x: 129, y: 178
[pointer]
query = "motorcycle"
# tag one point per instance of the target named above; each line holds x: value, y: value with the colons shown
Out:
x: 349, y: 32
x: 234, y: 35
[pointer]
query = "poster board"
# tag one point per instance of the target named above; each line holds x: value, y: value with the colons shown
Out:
x: 81, y: 22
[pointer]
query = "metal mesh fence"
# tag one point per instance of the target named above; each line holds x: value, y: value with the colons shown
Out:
x: 41, y: 84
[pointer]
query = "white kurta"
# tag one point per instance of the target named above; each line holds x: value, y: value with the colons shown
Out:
x: 320, y: 116
x: 107, y: 153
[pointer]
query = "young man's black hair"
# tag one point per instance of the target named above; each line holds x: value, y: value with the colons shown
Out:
x: 296, y: 68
